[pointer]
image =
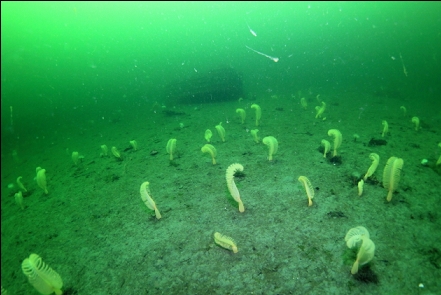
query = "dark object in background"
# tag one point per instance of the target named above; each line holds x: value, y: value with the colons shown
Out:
x: 387, y: 92
x: 336, y: 214
x: 366, y: 275
x: 214, y: 86
x: 376, y: 142
x: 336, y: 160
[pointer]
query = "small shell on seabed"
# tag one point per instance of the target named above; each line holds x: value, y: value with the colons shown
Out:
x: 153, y: 153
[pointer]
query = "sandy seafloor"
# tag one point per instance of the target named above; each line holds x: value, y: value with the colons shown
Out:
x: 93, y: 229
